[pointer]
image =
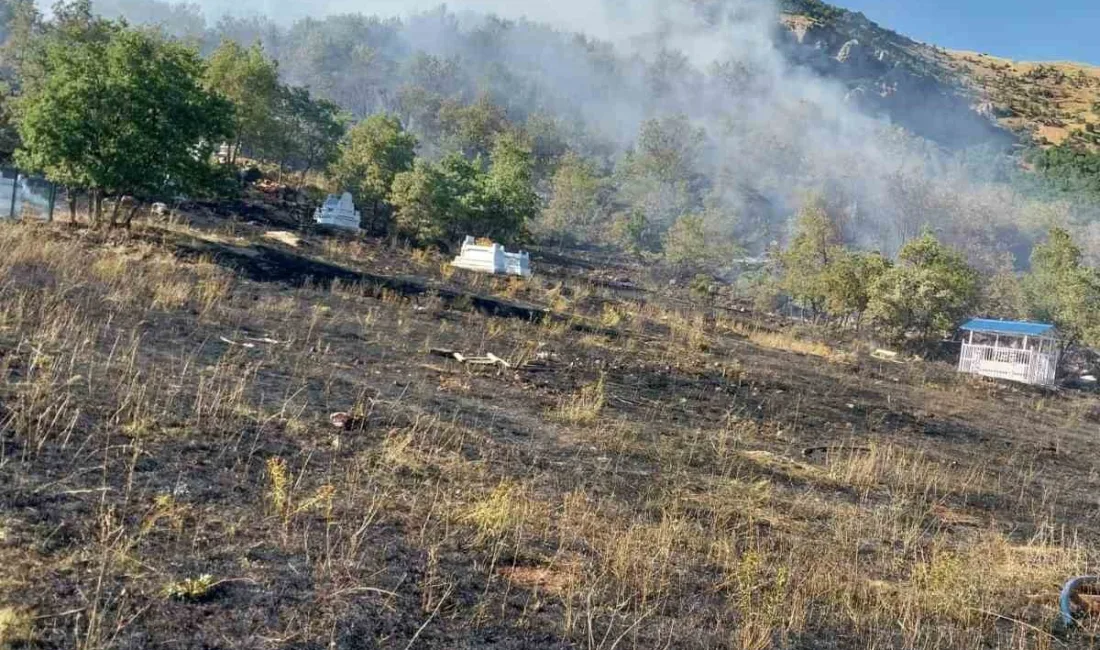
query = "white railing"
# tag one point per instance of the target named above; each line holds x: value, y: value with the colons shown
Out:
x: 1027, y: 366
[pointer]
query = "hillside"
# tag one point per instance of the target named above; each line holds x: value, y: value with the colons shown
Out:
x: 223, y: 426
x: 914, y: 83
x: 956, y: 99
x: 649, y: 471
x: 1053, y: 103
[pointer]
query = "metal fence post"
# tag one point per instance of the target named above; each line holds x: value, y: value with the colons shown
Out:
x: 53, y: 201
x: 14, y: 190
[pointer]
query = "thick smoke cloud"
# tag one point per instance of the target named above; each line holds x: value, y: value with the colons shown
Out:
x: 774, y: 129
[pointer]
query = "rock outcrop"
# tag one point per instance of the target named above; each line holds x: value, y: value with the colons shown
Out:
x: 892, y: 76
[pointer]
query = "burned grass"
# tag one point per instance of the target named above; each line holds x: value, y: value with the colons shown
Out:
x: 170, y: 476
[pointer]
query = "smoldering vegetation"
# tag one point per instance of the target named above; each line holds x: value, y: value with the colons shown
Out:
x: 731, y: 115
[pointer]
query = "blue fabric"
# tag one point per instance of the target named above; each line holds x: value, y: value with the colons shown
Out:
x: 1016, y: 328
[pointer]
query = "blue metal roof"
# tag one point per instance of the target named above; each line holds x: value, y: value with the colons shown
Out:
x: 1010, y: 327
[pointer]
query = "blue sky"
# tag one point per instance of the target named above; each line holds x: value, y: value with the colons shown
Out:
x: 1030, y: 30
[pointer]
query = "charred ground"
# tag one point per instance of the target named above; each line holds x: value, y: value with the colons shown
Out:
x: 656, y: 470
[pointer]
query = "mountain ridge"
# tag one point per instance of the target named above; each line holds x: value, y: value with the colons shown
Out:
x: 1040, y: 103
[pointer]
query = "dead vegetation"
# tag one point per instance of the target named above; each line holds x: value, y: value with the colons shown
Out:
x: 662, y: 477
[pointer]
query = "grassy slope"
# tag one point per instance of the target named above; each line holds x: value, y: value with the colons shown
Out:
x: 642, y: 482
x: 1052, y: 102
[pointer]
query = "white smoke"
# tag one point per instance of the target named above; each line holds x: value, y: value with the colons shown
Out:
x: 774, y: 128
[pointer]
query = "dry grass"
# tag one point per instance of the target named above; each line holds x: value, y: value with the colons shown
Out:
x: 636, y: 492
x: 16, y: 628
x: 784, y: 341
x: 583, y: 406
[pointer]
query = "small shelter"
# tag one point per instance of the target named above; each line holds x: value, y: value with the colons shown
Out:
x: 491, y: 258
x: 1012, y: 350
x: 338, y: 212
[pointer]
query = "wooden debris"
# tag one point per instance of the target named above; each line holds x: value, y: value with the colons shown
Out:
x: 886, y: 355
x: 810, y: 451
x: 489, y: 359
x: 285, y: 237
x: 249, y: 342
x: 436, y: 369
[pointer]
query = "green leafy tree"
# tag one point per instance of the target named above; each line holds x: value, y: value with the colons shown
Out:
x: 549, y: 145
x: 372, y: 155
x: 575, y: 206
x: 633, y: 231
x: 429, y: 81
x: 659, y: 178
x: 805, y: 263
x: 464, y: 188
x: 9, y: 134
x: 472, y: 129
x: 1004, y: 295
x: 120, y: 112
x: 695, y: 242
x: 1064, y: 291
x: 250, y: 80
x: 419, y: 108
x: 434, y: 203
x: 926, y: 294
x: 441, y: 203
x: 508, y: 201
x: 20, y: 25
x: 1069, y: 169
x: 421, y: 202
x: 668, y: 149
x: 848, y: 282
x: 309, y: 131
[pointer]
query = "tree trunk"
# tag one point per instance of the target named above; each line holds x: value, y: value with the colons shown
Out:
x: 72, y: 205
x: 115, y: 209
x: 302, y: 176
x: 96, y: 206
x: 130, y: 214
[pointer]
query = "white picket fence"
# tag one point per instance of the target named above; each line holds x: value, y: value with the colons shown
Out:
x: 1027, y: 366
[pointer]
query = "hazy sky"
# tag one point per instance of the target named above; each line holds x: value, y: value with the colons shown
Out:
x: 1018, y: 29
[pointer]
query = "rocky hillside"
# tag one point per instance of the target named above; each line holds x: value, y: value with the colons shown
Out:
x: 916, y: 84
x: 1051, y: 102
